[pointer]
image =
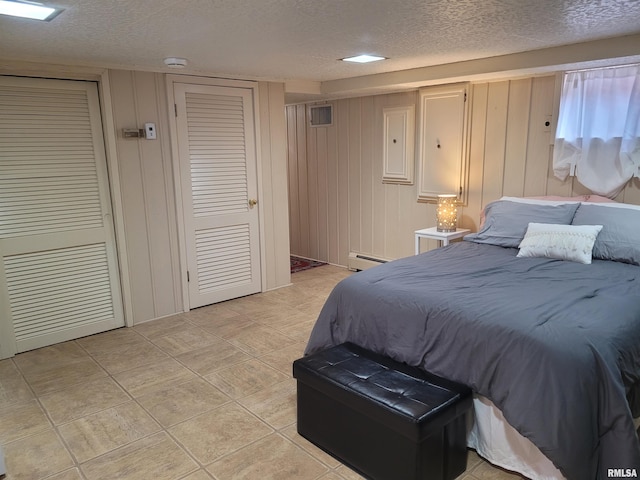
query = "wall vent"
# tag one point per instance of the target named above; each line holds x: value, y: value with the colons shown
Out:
x: 320, y: 115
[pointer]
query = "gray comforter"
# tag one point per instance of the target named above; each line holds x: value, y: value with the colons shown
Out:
x: 554, y: 344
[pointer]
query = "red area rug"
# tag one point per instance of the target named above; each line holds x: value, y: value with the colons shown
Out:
x: 299, y: 264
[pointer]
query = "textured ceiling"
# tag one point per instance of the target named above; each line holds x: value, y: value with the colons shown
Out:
x: 301, y: 39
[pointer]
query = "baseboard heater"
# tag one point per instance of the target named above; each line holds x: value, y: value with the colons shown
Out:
x: 358, y: 261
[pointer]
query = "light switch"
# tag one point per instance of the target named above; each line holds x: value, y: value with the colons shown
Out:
x: 150, y: 131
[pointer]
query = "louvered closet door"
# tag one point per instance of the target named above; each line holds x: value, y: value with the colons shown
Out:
x: 58, y: 274
x: 216, y: 141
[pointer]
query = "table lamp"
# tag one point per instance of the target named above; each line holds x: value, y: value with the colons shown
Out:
x: 447, y: 213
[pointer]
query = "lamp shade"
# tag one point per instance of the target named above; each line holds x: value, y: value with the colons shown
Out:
x: 447, y: 213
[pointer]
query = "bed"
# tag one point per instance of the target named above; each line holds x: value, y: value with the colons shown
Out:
x: 542, y: 323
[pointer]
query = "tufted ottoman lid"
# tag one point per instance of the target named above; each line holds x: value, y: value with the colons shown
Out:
x: 412, y: 402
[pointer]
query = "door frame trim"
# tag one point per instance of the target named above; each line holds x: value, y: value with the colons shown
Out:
x: 108, y: 125
x: 172, y: 79
x: 101, y: 77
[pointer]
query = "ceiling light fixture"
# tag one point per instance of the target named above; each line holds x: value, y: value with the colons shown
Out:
x: 363, y: 59
x: 32, y: 10
x: 175, y: 62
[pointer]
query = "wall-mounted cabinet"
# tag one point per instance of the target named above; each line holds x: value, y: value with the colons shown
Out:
x: 398, y: 144
x: 443, y: 141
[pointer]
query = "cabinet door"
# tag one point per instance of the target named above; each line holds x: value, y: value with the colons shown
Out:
x: 443, y: 132
x: 398, y: 144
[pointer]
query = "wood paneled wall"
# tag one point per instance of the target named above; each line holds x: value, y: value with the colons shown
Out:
x: 338, y: 203
x: 148, y: 195
x: 146, y: 180
x: 273, y: 167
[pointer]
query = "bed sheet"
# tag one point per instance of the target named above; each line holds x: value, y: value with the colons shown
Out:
x: 555, y: 345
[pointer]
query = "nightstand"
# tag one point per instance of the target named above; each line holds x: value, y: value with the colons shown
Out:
x: 434, y: 234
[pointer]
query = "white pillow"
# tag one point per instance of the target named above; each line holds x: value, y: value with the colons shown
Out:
x: 564, y: 242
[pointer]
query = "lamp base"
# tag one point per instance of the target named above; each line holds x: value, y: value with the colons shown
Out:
x: 445, y: 230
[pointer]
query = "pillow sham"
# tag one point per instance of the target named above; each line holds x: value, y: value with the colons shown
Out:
x: 564, y: 242
x: 506, y: 221
x: 547, y: 200
x: 619, y: 239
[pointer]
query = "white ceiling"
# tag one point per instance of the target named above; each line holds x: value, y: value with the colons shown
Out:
x: 299, y: 41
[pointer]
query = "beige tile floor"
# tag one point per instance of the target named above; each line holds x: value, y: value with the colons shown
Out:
x: 196, y: 396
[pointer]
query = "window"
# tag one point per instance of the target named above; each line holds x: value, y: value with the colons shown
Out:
x: 598, y: 133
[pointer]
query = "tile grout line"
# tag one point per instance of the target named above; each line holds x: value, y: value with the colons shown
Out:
x: 252, y: 354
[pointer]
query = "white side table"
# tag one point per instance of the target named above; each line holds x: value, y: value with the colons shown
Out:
x: 434, y: 234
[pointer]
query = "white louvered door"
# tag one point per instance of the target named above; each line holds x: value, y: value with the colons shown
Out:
x: 58, y: 275
x: 216, y: 142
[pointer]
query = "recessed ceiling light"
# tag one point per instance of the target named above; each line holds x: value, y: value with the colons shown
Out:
x: 32, y: 10
x: 363, y: 59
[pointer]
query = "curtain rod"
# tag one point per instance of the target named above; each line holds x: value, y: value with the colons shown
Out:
x: 604, y: 68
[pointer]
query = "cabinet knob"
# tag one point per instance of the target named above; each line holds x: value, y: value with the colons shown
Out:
x: 253, y: 202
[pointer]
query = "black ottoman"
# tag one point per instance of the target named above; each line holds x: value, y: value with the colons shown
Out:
x: 384, y: 419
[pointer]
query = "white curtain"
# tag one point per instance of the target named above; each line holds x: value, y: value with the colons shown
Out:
x: 598, y: 134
